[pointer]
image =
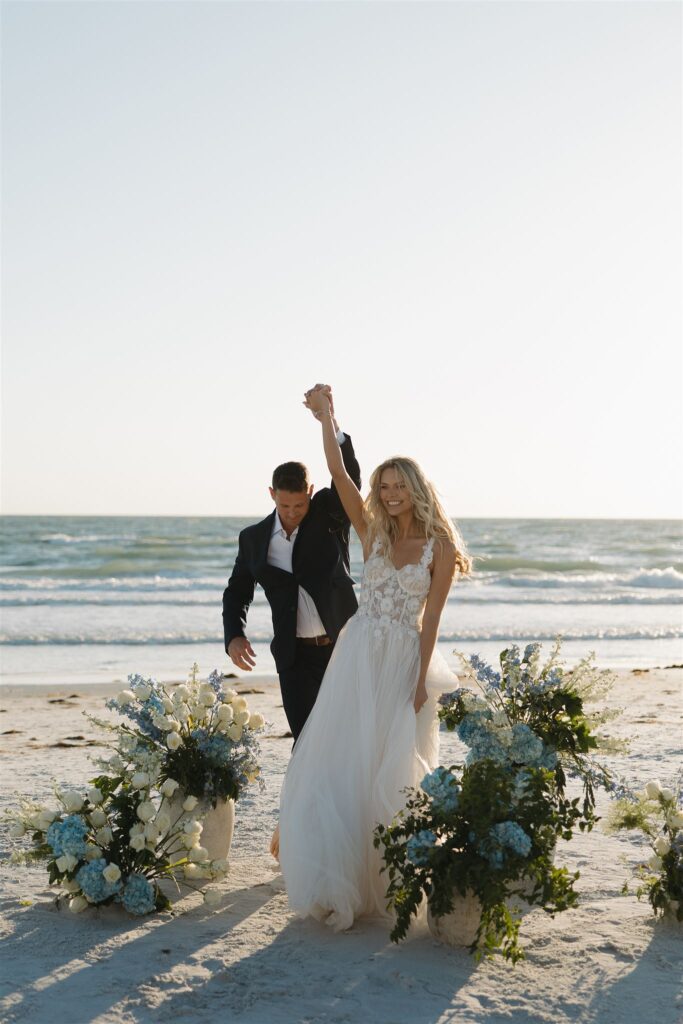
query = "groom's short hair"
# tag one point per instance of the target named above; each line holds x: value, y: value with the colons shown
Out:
x: 291, y: 476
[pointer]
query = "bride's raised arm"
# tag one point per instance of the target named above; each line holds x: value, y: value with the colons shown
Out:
x: 318, y: 402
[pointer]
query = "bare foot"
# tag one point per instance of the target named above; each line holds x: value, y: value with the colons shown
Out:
x: 275, y: 844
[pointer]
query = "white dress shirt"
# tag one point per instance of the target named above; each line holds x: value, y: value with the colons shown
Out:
x: 308, y: 621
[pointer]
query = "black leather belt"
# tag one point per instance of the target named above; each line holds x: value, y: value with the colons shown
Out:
x: 314, y: 641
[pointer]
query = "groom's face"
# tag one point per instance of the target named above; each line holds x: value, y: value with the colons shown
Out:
x: 292, y: 506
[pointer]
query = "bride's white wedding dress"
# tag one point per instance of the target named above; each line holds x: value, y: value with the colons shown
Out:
x: 361, y: 746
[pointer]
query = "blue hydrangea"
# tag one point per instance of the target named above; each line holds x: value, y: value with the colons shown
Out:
x: 68, y: 836
x: 450, y: 698
x: 441, y: 786
x: 474, y: 730
x: 530, y: 651
x: 506, y: 835
x: 526, y: 747
x: 94, y: 885
x: 138, y: 896
x: 419, y: 847
x: 216, y: 747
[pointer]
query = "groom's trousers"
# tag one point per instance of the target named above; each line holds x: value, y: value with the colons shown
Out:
x: 300, y: 683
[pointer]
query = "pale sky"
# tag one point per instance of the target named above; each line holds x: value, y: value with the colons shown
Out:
x: 465, y: 216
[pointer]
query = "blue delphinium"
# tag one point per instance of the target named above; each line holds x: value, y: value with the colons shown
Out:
x: 448, y: 698
x: 68, y: 836
x: 419, y: 846
x: 138, y: 896
x: 485, y: 674
x: 142, y: 714
x: 216, y: 682
x: 94, y: 885
x: 505, y: 835
x: 441, y: 786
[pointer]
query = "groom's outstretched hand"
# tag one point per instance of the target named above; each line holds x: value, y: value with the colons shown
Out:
x: 241, y: 653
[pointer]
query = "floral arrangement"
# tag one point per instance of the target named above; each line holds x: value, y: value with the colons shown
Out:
x: 531, y: 714
x: 490, y: 827
x: 483, y: 830
x: 198, y: 737
x: 656, y: 812
x: 112, y: 844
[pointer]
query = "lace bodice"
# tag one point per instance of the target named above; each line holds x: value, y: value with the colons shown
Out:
x: 395, y: 598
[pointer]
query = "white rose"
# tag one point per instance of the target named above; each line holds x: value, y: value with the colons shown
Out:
x: 189, y: 803
x: 168, y: 787
x: 662, y: 846
x: 140, y: 780
x: 17, y: 830
x: 143, y: 691
x: 72, y: 800
x: 190, y: 840
x: 239, y: 704
x: 137, y: 842
x: 104, y: 836
x: 151, y: 832
x: 241, y: 718
x: 667, y: 795
x: 182, y: 713
x: 95, y: 796
x: 229, y: 695
x: 676, y: 819
x: 181, y: 692
x: 112, y: 872
x: 69, y: 885
x: 35, y: 820
x: 168, y: 705
x: 125, y: 697
x: 77, y: 904
x: 146, y: 810
x: 655, y: 863
x: 256, y: 721
x: 137, y: 829
x: 98, y: 817
x: 225, y: 713
x: 93, y: 853
x: 192, y: 871
x: 208, y: 698
x: 173, y: 741
x: 212, y: 897
x: 220, y: 866
x: 234, y: 731
x: 66, y: 863
x: 653, y: 789
x: 163, y: 823
x: 193, y: 826
x: 199, y: 853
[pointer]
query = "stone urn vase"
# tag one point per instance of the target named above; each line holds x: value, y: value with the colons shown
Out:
x: 218, y: 822
x: 459, y: 927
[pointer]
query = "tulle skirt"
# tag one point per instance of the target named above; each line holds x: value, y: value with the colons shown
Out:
x: 361, y: 747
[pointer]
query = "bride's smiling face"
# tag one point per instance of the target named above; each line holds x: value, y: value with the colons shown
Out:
x: 394, y: 493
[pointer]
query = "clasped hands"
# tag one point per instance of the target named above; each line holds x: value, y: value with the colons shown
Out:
x: 318, y: 399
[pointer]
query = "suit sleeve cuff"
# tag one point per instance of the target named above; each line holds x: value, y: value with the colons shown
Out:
x: 341, y: 437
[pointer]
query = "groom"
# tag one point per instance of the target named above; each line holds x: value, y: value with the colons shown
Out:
x: 300, y: 556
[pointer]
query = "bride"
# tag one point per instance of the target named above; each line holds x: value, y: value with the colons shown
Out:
x: 373, y: 729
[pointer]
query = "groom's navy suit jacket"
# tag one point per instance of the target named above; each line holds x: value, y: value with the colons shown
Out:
x: 320, y: 564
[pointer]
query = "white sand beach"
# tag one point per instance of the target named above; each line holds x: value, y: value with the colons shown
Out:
x: 249, y: 959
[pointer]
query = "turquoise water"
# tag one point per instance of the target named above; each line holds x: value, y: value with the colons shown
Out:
x: 98, y: 597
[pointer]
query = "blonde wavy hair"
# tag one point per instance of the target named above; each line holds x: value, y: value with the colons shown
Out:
x: 427, y: 510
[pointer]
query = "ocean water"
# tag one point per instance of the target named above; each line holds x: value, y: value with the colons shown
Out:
x: 94, y: 598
